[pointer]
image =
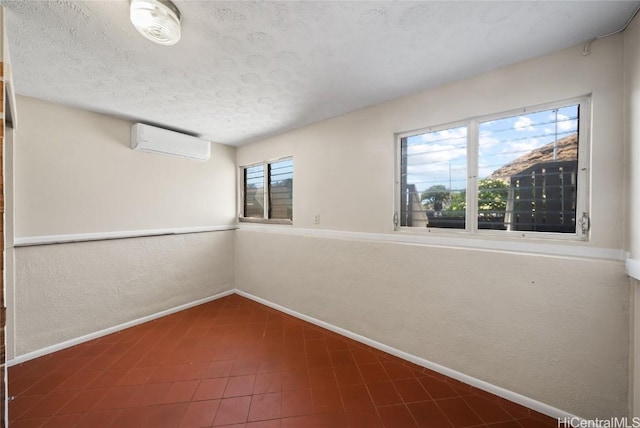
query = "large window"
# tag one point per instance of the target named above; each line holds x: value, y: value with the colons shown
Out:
x: 524, y: 171
x: 267, y: 192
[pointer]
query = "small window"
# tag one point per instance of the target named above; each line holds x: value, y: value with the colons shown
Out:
x: 523, y: 171
x: 267, y: 192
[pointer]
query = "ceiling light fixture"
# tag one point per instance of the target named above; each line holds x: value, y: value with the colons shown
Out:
x: 157, y: 20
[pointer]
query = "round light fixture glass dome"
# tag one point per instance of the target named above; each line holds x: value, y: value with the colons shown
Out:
x: 157, y: 20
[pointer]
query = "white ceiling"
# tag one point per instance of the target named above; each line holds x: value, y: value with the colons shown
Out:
x: 247, y: 70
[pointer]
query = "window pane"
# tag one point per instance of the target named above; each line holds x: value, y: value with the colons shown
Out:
x: 527, y: 168
x: 254, y: 191
x: 434, y: 179
x: 281, y: 190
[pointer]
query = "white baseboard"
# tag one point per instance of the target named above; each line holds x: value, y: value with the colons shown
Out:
x: 69, y: 343
x: 469, y: 380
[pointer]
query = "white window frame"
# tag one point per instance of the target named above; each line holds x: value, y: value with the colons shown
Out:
x: 471, y: 219
x: 265, y: 193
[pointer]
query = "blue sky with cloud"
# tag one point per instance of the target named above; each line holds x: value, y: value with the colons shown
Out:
x: 440, y: 157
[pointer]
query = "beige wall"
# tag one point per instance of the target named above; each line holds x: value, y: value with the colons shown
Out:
x: 632, y: 128
x: 67, y: 291
x: 555, y: 329
x: 75, y: 173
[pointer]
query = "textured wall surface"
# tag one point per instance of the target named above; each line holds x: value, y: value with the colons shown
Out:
x: 555, y: 329
x: 632, y: 128
x: 76, y: 173
x: 69, y: 290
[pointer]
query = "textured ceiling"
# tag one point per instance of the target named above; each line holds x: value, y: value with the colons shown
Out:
x: 247, y: 70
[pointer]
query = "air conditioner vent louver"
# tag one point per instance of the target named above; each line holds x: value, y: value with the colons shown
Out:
x: 151, y: 139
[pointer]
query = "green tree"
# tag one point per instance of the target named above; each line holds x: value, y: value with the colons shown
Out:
x: 458, y: 201
x: 492, y: 197
x: 435, y: 193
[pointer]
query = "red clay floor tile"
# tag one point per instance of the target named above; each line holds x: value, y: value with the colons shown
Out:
x: 331, y: 420
x: 297, y: 403
x: 397, y: 371
x: 509, y: 424
x: 438, y: 389
x: 83, y: 401
x: 165, y: 415
x: 295, y: 379
x: 363, y: 418
x: 384, y: 394
x: 326, y: 400
x: 210, y: 389
x: 79, y: 380
x: 341, y: 357
x: 356, y: 397
x: 298, y: 422
x: 200, y: 414
x: 116, y: 398
x: 322, y: 377
x: 19, y: 406
x: 51, y: 404
x: 458, y: 412
x: 63, y: 421
x: 148, y: 395
x: 133, y: 417
x: 373, y: 373
x: 239, y: 386
x: 411, y: 390
x: 427, y: 414
x: 235, y: 363
x: 273, y: 423
x: 397, y: 416
x: 99, y: 419
x: 489, y: 410
x: 232, y: 411
x: 180, y: 392
x: 268, y: 382
x: 265, y: 406
x: 245, y: 366
x: 348, y: 375
x: 29, y: 423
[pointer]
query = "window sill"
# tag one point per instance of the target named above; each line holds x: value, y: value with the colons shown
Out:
x: 579, y: 249
x: 264, y: 220
x: 487, y: 234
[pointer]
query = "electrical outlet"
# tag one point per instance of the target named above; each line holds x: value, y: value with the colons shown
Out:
x: 316, y: 219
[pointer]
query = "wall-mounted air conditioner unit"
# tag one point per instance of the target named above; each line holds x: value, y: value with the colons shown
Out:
x: 148, y: 138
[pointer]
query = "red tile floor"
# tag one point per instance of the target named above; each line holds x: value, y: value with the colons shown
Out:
x: 236, y: 363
